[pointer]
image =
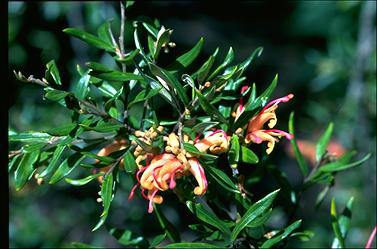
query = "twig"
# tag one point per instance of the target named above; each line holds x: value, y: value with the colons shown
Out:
x: 121, y: 35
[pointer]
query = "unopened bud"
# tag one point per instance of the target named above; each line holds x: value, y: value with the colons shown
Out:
x: 207, y: 84
x: 40, y: 181
x: 160, y: 128
x: 99, y: 200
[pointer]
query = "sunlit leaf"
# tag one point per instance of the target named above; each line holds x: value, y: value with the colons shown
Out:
x: 323, y: 142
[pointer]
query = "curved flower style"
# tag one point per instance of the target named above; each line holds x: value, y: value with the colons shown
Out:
x: 160, y: 175
x: 216, y: 142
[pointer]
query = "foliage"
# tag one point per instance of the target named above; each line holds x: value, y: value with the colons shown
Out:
x: 144, y: 108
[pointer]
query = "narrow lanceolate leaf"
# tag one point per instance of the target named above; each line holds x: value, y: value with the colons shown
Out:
x: 157, y: 240
x: 234, y: 152
x: 124, y: 237
x: 203, y: 71
x: 228, y: 59
x: 66, y: 167
x: 323, y: 142
x: 335, y: 224
x: 128, y: 58
x: 344, y: 222
x: 15, y: 160
x: 248, y: 156
x: 81, y: 88
x: 107, y: 197
x: 105, y: 159
x: 256, y: 53
x: 61, y: 131
x: 167, y: 79
x: 116, y: 76
x: 76, y: 244
x: 260, y: 220
x: 191, y: 245
x: 163, y: 37
x: 300, y: 159
x: 169, y: 229
x: 129, y: 162
x: 28, y: 137
x: 339, y: 165
x: 89, y: 38
x: 83, y: 181
x: 288, y: 230
x: 103, y: 127
x: 55, y: 95
x: 186, y: 59
x: 253, y: 212
x: 195, y: 152
x: 204, y: 126
x: 222, y: 179
x: 98, y: 67
x: 250, y: 107
x: 54, y: 161
x: 210, y: 109
x: 25, y: 169
x: 52, y: 69
x: 203, y: 214
x: 144, y: 95
x: 152, y: 30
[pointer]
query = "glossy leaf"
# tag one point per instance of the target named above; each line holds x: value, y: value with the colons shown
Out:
x: 260, y: 220
x: 256, y: 53
x: 248, y: 156
x: 25, y: 169
x: 203, y: 71
x: 107, y: 127
x: 89, y: 38
x: 222, y: 179
x: 191, y: 245
x: 14, y: 161
x: 253, y: 212
x: 28, y: 137
x: 55, y: 95
x: 269, y: 243
x: 129, y: 162
x: 116, y: 76
x: 95, y: 66
x: 61, y: 131
x: 124, y: 237
x: 76, y: 244
x: 152, y: 30
x: 157, y: 240
x: 105, y: 159
x: 103, y: 32
x: 187, y: 58
x: 166, y: 79
x: 83, y: 181
x: 341, y: 164
x: 163, y: 92
x: 204, y: 126
x: 52, y: 69
x: 163, y: 37
x: 210, y: 109
x: 335, y: 224
x: 54, y: 160
x: 323, y: 142
x: 344, y: 222
x: 195, y: 152
x: 228, y: 59
x: 208, y: 217
x: 66, y: 167
x: 128, y: 58
x: 234, y: 152
x: 300, y: 159
x: 144, y: 95
x: 169, y: 229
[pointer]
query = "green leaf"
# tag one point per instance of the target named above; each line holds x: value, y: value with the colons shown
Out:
x: 203, y: 71
x: 124, y: 237
x: 323, y: 142
x: 210, y: 109
x: 341, y: 163
x: 187, y: 58
x: 52, y: 69
x: 106, y: 127
x: 163, y: 92
x: 260, y: 220
x: 53, y: 163
x: 300, y: 159
x: 228, y: 59
x: 66, y: 167
x: 129, y: 4
x: 249, y: 112
x: 253, y: 212
x: 55, y: 95
x: 222, y: 179
x: 98, y: 67
x: 163, y: 37
x: 129, y: 162
x: 248, y: 156
x: 335, y: 224
x: 269, y: 243
x: 242, y: 67
x: 169, y: 229
x: 138, y: 44
x: 195, y: 152
x: 166, y: 79
x: 208, y: 217
x: 151, y: 45
x: 28, y: 137
x: 89, y: 38
x: 116, y: 76
x: 128, y: 58
x: 283, y: 182
x: 107, y: 197
x: 15, y: 160
x: 234, y: 152
x: 157, y: 240
x: 152, y: 30
x: 321, y: 196
x: 103, y: 32
x: 25, y: 169
x: 61, y: 131
x: 191, y: 245
x: 82, y: 245
x: 344, y: 222
x: 144, y: 95
x: 105, y: 159
x: 83, y: 181
x: 144, y: 145
x: 32, y: 147
x: 204, y: 126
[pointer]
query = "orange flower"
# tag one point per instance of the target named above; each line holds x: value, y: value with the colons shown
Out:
x: 160, y: 175
x: 216, y: 142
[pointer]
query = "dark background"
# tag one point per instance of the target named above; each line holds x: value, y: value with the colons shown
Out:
x: 323, y: 51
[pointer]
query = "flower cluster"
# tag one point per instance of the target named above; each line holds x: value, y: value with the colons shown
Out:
x: 158, y: 172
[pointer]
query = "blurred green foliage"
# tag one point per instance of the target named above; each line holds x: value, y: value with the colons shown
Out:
x: 314, y: 46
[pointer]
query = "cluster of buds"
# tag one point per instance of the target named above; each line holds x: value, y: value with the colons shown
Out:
x: 255, y: 132
x: 147, y: 137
